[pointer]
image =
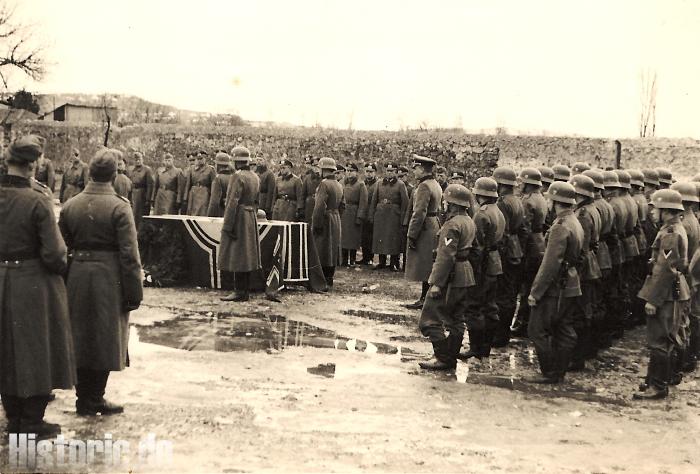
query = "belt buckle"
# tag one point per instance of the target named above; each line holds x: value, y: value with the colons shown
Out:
x: 10, y: 263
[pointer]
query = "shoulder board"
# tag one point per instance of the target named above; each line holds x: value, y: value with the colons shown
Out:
x: 41, y: 186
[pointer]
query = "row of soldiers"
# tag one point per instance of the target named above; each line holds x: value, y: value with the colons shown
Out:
x: 586, y: 253
x: 67, y: 286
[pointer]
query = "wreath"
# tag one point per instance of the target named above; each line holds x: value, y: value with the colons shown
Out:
x: 163, y: 253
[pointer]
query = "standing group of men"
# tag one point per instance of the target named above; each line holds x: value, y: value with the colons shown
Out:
x: 66, y: 287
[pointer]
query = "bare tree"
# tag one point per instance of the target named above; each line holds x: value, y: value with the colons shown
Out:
x: 647, y: 116
x: 18, y: 50
x: 106, y: 102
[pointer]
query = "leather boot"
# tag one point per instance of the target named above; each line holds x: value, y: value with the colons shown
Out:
x: 475, y: 343
x: 549, y: 374
x: 443, y: 361
x: 94, y: 402
x: 454, y: 344
x: 32, y: 420
x: 382, y: 263
x: 353, y: 258
x: 13, y: 412
x: 657, y: 377
x: 242, y: 288
x: 676, y: 375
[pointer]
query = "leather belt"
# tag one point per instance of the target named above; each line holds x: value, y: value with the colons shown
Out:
x: 286, y: 197
x: 388, y: 201
x: 97, y: 248
x: 200, y: 186
x: 18, y: 256
x: 352, y: 203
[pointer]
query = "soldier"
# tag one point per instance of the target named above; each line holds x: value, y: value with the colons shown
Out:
x: 535, y: 211
x: 36, y: 348
x: 74, y: 178
x: 326, y: 219
x: 405, y: 219
x: 587, y: 267
x: 449, y: 280
x: 198, y: 186
x: 665, y: 291
x: 556, y: 288
x: 367, y: 226
x: 355, y: 195
x: 665, y: 178
x: 423, y: 226
x: 680, y: 356
x: 287, y: 196
x: 561, y: 173
x: 617, y: 292
x: 309, y: 184
x: 511, y: 252
x: 240, y: 245
x: 219, y: 187
x: 45, y: 173
x: 640, y: 233
x: 122, y: 183
x: 267, y: 186
x: 340, y: 173
x: 441, y: 177
x: 182, y: 194
x: 651, y: 183
x: 166, y: 188
x: 481, y: 311
x: 104, y: 281
x: 579, y: 168
x: 456, y: 177
x: 629, y: 242
x: 600, y: 333
x: 386, y: 208
x: 547, y: 177
x: 142, y: 179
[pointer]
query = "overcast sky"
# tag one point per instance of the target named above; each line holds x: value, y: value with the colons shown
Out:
x: 563, y: 66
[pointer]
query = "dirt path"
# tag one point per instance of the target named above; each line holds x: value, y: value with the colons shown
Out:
x: 329, y: 383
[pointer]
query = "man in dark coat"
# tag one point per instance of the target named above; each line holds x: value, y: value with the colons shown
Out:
x: 74, y: 178
x: 388, y: 205
x: 367, y: 226
x: 309, y: 183
x: 217, y: 203
x: 240, y: 245
x: 45, y: 173
x: 198, y: 186
x: 36, y: 348
x: 355, y: 195
x: 122, y: 183
x: 423, y: 226
x: 287, y: 195
x: 186, y: 172
x: 267, y: 186
x: 166, y: 189
x: 142, y: 179
x: 326, y: 219
x: 104, y: 281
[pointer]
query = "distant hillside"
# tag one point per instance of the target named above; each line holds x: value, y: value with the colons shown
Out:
x: 133, y: 110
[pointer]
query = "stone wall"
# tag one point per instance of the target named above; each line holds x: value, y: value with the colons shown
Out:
x: 478, y: 154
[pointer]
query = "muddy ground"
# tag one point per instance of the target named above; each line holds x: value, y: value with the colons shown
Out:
x: 329, y: 383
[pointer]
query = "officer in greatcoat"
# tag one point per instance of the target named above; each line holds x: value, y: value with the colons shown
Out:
x: 75, y: 177
x: 423, y: 226
x: 36, y: 348
x: 309, y: 184
x: 367, y: 225
x: 386, y: 208
x: 45, y: 172
x: 104, y: 281
x: 267, y: 186
x: 287, y: 196
x: 142, y: 179
x: 355, y: 195
x: 240, y: 245
x: 665, y: 292
x: 556, y: 288
x: 122, y: 183
x: 198, y: 186
x: 219, y: 187
x: 326, y: 219
x: 186, y: 172
x: 166, y: 188
x: 450, y: 278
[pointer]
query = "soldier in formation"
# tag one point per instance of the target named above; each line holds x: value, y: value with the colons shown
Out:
x: 166, y: 188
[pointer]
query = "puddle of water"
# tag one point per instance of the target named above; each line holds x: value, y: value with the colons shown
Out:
x: 227, y: 332
x: 388, y: 318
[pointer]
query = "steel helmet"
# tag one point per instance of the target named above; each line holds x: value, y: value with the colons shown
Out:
x: 650, y: 177
x: 597, y: 178
x: 531, y: 176
x: 624, y: 178
x: 222, y: 158
x: 667, y: 199
x: 561, y: 172
x: 579, y: 168
x: 583, y: 185
x: 665, y: 176
x: 505, y: 175
x: 547, y: 174
x: 687, y: 189
x: 485, y: 186
x: 610, y: 179
x: 326, y: 163
x: 636, y: 178
x: 457, y: 194
x: 561, y: 191
x: 240, y: 153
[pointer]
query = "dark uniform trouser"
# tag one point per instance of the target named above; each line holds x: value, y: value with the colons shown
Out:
x: 91, y: 384
x: 529, y: 272
x: 616, y: 296
x: 481, y: 315
x: 506, y: 299
x: 638, y: 272
x: 551, y: 330
x: 583, y: 319
x: 445, y: 314
x: 661, y: 340
x: 600, y: 333
x: 366, y: 242
x: 693, y: 351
